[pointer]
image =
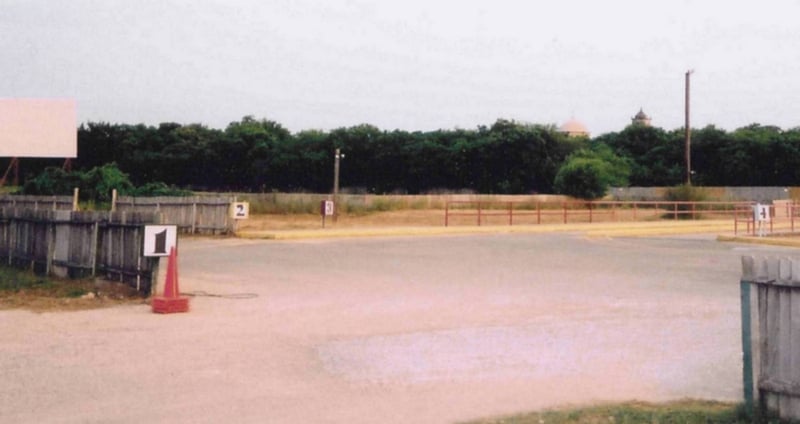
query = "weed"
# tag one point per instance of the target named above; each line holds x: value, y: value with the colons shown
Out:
x: 683, y: 412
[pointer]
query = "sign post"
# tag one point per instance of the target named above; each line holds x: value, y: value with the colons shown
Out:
x: 326, y: 208
x: 239, y: 211
x: 761, y: 215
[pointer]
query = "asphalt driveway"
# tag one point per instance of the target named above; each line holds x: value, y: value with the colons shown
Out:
x: 409, y: 329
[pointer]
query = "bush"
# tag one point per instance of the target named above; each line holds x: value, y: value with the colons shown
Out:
x: 686, y: 193
x: 158, y: 189
x: 51, y: 182
x: 99, y: 182
x: 588, y: 173
x: 95, y: 185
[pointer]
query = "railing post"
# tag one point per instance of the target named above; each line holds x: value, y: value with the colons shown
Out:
x: 771, y: 231
x: 564, y: 206
x: 479, y: 214
x: 510, y: 213
x: 538, y: 213
x: 590, y: 212
x: 446, y: 213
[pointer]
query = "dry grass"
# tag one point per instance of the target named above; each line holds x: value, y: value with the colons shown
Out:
x: 403, y: 218
x: 436, y: 218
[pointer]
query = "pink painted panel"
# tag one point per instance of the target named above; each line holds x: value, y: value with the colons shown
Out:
x: 38, y: 128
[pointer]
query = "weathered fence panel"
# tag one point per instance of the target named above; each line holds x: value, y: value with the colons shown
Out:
x: 193, y: 215
x: 37, y: 202
x: 770, y: 290
x: 120, y: 243
x: 79, y: 244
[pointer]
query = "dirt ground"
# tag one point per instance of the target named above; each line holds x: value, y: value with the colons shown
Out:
x: 425, y: 330
x: 311, y: 221
x: 430, y: 218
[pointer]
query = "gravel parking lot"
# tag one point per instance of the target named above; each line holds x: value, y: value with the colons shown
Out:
x: 423, y: 330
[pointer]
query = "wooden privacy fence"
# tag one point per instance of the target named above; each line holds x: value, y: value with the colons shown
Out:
x: 79, y: 244
x: 193, y: 215
x: 770, y: 291
x: 38, y: 202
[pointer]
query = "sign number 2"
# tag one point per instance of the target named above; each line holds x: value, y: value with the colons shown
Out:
x: 241, y: 210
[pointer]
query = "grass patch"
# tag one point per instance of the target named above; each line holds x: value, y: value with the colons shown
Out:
x: 25, y: 290
x: 14, y: 281
x: 680, y: 412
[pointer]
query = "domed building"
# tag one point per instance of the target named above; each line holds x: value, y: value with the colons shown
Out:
x: 574, y: 128
x: 641, y: 119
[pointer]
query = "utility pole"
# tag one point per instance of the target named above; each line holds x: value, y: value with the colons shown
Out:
x: 688, y: 133
x: 337, y: 157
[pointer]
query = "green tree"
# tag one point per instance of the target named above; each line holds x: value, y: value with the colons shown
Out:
x: 588, y: 173
x: 656, y: 157
x: 98, y: 183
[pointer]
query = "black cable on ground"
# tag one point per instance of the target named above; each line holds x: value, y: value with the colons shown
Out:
x: 201, y: 293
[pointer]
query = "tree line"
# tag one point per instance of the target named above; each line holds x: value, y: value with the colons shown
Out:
x: 506, y: 157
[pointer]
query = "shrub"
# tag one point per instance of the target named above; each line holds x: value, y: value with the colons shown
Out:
x: 95, y: 185
x: 588, y: 173
x: 686, y: 193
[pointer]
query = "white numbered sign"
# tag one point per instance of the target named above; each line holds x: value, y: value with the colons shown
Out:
x: 240, y: 210
x: 761, y: 212
x: 159, y: 239
x: 327, y: 208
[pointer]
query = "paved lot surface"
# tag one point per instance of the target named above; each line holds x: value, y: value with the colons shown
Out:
x: 423, y: 330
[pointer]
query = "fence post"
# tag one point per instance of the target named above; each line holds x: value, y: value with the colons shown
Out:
x: 538, y: 213
x: 446, y: 213
x: 747, y: 345
x: 479, y: 214
x: 194, y: 216
x: 51, y: 245
x: 75, y: 199
x: 93, y: 249
x: 114, y: 200
x: 510, y: 213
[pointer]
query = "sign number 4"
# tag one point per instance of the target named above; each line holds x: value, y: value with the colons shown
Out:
x: 761, y: 212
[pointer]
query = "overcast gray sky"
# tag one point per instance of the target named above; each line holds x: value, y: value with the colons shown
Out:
x: 410, y: 64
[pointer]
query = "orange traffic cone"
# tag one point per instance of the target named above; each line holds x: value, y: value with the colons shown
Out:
x: 171, y: 301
